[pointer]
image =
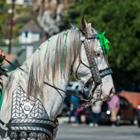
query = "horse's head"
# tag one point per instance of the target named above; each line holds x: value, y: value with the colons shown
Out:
x: 92, y: 67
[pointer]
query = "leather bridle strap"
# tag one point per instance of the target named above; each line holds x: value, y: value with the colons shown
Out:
x: 105, y: 72
x: 92, y: 64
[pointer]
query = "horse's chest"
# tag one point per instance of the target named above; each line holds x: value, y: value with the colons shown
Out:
x: 29, y: 118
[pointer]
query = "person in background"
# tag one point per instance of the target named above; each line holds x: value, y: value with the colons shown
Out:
x: 3, y: 129
x: 114, y: 106
x: 95, y: 113
x: 2, y: 56
x: 74, y: 104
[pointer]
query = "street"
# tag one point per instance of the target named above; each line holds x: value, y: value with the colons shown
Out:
x: 83, y: 132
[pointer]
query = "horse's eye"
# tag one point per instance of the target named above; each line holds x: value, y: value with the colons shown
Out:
x: 98, y: 54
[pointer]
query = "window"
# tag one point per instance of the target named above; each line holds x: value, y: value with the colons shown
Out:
x: 26, y: 34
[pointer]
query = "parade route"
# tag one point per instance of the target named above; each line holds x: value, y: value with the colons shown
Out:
x: 83, y: 132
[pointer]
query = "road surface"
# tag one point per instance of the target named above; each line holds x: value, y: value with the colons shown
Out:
x: 83, y: 132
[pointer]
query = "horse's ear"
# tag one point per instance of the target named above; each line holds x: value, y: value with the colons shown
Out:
x: 89, y: 25
x: 84, y: 25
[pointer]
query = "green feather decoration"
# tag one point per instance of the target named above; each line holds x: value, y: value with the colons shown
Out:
x: 104, y: 42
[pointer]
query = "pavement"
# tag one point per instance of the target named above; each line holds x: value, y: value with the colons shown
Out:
x: 84, y: 132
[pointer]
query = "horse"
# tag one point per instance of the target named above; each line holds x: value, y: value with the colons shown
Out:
x: 34, y: 93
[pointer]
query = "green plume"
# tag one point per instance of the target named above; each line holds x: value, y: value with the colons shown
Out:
x: 104, y: 42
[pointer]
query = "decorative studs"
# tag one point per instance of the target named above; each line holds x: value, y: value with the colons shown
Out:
x: 23, y: 135
x: 13, y: 135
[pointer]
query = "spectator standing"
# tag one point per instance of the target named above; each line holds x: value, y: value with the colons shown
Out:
x: 95, y: 113
x: 2, y: 56
x: 74, y: 104
x: 114, y: 106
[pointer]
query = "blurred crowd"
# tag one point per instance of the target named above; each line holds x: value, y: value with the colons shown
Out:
x: 91, y: 115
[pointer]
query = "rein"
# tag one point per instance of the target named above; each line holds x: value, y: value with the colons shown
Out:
x: 58, y: 90
x: 14, y: 65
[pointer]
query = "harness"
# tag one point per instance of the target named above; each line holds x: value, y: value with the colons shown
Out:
x: 29, y: 118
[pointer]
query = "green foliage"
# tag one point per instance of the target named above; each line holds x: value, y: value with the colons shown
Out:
x: 3, y: 17
x: 21, y: 16
x: 121, y: 22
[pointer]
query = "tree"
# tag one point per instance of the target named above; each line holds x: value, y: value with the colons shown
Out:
x: 21, y: 16
x: 121, y: 22
x: 3, y: 19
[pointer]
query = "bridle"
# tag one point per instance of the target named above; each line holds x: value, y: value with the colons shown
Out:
x: 96, y: 74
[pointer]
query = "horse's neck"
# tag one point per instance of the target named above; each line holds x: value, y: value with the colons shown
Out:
x: 51, y: 98
x: 58, y: 77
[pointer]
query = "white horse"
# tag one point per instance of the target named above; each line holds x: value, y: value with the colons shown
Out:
x: 34, y: 95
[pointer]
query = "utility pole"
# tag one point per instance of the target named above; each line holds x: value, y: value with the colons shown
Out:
x: 11, y: 11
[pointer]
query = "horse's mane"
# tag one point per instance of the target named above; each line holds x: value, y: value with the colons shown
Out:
x: 52, y: 60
